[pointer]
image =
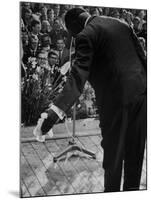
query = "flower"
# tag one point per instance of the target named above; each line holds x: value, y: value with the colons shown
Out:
x: 64, y: 78
x: 32, y: 61
x: 60, y: 90
x: 35, y: 76
x: 38, y: 69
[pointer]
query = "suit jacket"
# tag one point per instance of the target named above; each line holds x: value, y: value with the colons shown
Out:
x: 64, y: 57
x: 55, y: 34
x: 107, y: 54
x: 28, y: 52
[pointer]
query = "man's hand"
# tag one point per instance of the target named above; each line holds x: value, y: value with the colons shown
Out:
x: 48, y: 122
x: 44, y: 125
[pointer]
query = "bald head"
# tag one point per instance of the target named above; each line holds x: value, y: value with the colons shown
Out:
x: 75, y: 20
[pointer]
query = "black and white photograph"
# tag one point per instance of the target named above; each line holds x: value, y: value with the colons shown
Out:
x: 83, y: 99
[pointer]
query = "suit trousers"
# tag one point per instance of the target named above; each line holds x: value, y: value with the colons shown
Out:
x: 124, y: 135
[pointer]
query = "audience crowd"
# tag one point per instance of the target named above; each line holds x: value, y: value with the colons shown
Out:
x: 45, y: 53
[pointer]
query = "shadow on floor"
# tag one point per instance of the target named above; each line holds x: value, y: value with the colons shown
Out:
x: 14, y: 193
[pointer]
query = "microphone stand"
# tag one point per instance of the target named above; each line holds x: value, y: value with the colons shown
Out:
x: 72, y: 143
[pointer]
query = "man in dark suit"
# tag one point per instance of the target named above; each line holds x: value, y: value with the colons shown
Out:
x: 108, y: 54
x: 63, y: 52
x: 31, y: 49
x: 57, y: 31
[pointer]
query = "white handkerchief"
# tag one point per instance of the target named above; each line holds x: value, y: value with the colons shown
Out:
x: 37, y: 131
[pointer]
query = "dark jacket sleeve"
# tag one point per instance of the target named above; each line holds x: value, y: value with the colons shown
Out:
x: 78, y: 75
x: 139, y: 49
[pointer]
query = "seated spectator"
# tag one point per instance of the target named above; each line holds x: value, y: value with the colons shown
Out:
x: 136, y: 22
x: 87, y: 8
x: 35, y: 27
x: 43, y: 13
x: 45, y: 26
x: 53, y: 61
x: 57, y: 31
x: 143, y: 32
x: 56, y: 76
x: 24, y: 39
x: 31, y: 50
x: 115, y: 13
x: 35, y: 30
x: 26, y: 5
x: 53, y: 65
x: 106, y: 11
x: 48, y: 6
x: 36, y: 16
x: 145, y: 17
x: 22, y: 25
x: 133, y: 11
x: 50, y: 17
x: 123, y: 16
x: 42, y: 60
x: 143, y: 43
x: 100, y: 11
x: 141, y: 15
x: 63, y: 52
x: 94, y: 11
x: 45, y: 42
x: 64, y: 8
x: 129, y: 18
x: 26, y: 19
x: 62, y: 21
x: 35, y: 7
x: 56, y: 9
